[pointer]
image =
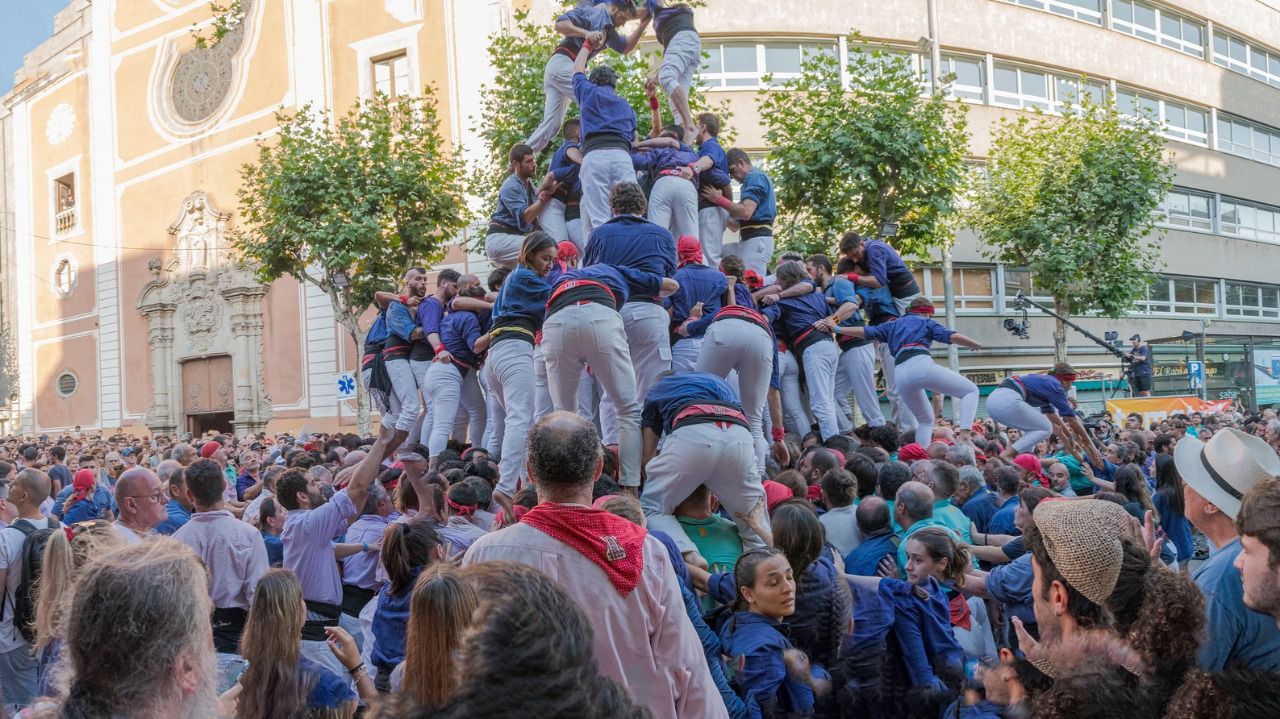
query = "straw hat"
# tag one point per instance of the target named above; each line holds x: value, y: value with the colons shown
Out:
x: 1083, y: 540
x: 1226, y: 467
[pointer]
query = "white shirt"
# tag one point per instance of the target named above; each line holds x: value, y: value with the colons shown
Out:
x: 11, y: 543
x: 842, y: 528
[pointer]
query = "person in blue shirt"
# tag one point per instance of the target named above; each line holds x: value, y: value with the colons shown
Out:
x: 693, y: 307
x: 178, y: 509
x: 456, y: 382
x: 773, y: 679
x: 1037, y: 404
x: 909, y: 338
x: 681, y: 57
x: 1140, y: 368
x: 402, y: 332
x: 856, y: 368
x: 583, y: 328
x: 79, y: 505
x: 879, y: 306
x: 428, y: 348
x: 707, y: 442
x: 752, y: 216
x: 884, y: 268
x: 585, y: 29
x: 270, y: 525
x: 878, y: 540
x: 672, y: 174
x: 561, y: 218
x: 608, y: 134
x: 408, y: 549
x: 629, y: 240
x: 519, y: 206
x: 1170, y: 504
x: 712, y: 219
x: 518, y: 313
x: 806, y: 328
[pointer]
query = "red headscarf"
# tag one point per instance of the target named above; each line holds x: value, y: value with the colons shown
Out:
x: 209, y: 448
x: 565, y: 250
x: 911, y: 452
x: 776, y: 493
x: 82, y: 484
x: 688, y: 250
x: 1031, y: 463
x: 753, y: 280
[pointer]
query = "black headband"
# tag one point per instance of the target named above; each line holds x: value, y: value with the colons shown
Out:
x: 1218, y: 478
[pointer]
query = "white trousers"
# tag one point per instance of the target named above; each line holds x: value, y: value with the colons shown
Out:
x: 495, y: 419
x: 405, y: 404
x: 541, y: 394
x: 684, y: 354
x: 421, y: 430
x: 446, y: 389
x: 795, y: 411
x: 711, y: 224
x: 601, y: 170
x: 747, y: 348
x: 719, y: 456
x: 1007, y: 406
x: 673, y: 204
x: 646, y: 325
x: 553, y: 223
x: 503, y: 249
x: 756, y: 253
x: 820, y: 360
x: 921, y: 373
x: 857, y: 373
x: 898, y: 411
x: 680, y: 59
x: 592, y: 334
x: 507, y: 370
x: 557, y: 84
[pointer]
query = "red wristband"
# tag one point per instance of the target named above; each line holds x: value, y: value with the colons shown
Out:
x: 779, y: 434
x: 852, y: 277
x: 653, y: 102
x: 723, y: 202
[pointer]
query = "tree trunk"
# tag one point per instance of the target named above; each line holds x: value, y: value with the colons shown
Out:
x: 1060, y: 330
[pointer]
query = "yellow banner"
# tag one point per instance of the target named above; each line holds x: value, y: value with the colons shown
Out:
x: 1154, y: 409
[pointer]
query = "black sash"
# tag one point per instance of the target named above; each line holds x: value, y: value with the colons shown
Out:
x: 354, y: 598
x: 228, y: 626
x: 319, y: 616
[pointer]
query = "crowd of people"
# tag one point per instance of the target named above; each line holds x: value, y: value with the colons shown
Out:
x: 640, y: 471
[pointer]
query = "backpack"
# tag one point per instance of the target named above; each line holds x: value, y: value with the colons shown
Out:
x: 32, y: 561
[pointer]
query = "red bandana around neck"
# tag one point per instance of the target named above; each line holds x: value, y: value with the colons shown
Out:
x: 609, y: 541
x: 960, y: 613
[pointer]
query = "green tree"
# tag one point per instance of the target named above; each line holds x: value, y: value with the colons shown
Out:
x: 856, y: 155
x: 1072, y: 198
x: 348, y: 204
x: 511, y: 106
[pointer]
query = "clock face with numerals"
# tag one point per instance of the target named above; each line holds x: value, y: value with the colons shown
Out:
x: 61, y: 122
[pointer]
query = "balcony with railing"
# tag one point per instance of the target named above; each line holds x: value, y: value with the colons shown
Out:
x: 66, y: 221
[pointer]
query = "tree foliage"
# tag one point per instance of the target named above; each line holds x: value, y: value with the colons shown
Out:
x: 1072, y: 199
x: 347, y: 204
x: 853, y: 157
x: 511, y: 106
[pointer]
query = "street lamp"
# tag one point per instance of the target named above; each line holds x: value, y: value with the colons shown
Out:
x: 340, y: 280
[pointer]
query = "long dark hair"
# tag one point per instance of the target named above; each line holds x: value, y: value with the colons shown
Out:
x: 1133, y: 486
x: 798, y: 533
x: 273, y: 688
x: 406, y: 547
x: 1169, y: 483
x: 744, y: 571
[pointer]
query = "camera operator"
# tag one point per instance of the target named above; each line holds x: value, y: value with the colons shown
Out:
x: 1139, y: 367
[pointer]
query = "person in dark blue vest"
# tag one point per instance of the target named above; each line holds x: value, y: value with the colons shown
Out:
x: 402, y: 331
x: 712, y: 219
x: 1037, y: 404
x: 806, y: 325
x: 693, y: 307
x: 884, y: 268
x: 455, y: 382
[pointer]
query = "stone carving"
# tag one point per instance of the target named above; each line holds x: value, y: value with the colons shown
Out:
x: 201, y: 311
x: 199, y: 232
x: 203, y: 76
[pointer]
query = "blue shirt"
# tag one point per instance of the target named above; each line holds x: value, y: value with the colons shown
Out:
x: 797, y: 314
x: 81, y: 511
x: 864, y: 560
x: 400, y: 321
x: 603, y: 111
x: 1175, y: 526
x: 877, y: 302
x: 390, y: 624
x: 275, y: 549
x: 910, y: 331
x: 980, y: 508
x: 619, y: 280
x: 178, y: 515
x: 1045, y: 393
x: 842, y: 290
x: 1142, y: 369
x: 630, y: 241
x: 698, y: 283
x: 677, y: 391
x: 430, y: 314
x: 758, y: 643
x: 101, y: 499
x: 329, y: 691
x: 593, y: 19
x: 886, y: 265
x: 523, y: 297
x: 459, y: 333
x: 742, y: 295
x: 923, y: 630
x: 514, y: 197
x: 758, y: 187
x: 566, y: 172
x: 872, y: 619
x: 653, y: 161
x: 1235, y: 637
x: 1002, y: 522
x: 1010, y: 584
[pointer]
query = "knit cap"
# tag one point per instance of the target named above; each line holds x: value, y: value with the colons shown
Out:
x: 1083, y: 539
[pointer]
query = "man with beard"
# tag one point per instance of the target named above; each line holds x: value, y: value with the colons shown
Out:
x: 1259, y: 558
x: 453, y: 379
x: 402, y: 331
x: 169, y: 670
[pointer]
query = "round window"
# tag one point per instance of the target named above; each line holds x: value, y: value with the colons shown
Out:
x: 67, y: 384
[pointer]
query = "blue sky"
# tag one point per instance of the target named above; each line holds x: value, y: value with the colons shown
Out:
x: 26, y: 23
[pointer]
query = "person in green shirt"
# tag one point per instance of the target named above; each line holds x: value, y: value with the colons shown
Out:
x: 914, y: 511
x: 946, y: 479
x: 715, y: 537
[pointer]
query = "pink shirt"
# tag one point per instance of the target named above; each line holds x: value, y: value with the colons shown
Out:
x: 232, y: 552
x: 644, y: 641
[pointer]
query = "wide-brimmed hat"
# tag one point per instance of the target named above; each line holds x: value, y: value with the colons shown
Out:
x: 1226, y: 467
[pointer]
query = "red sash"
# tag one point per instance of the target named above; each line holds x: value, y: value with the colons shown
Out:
x: 609, y: 541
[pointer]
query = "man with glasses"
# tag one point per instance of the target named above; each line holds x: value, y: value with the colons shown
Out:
x: 141, y: 497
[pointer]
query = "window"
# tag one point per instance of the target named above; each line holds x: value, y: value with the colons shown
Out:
x: 64, y: 197
x: 1255, y: 222
x: 744, y: 64
x: 1246, y: 300
x: 64, y: 276
x: 1180, y: 296
x: 1184, y: 208
x: 1246, y: 58
x: 1087, y: 10
x: 391, y: 74
x: 1072, y: 91
x: 974, y: 287
x: 1019, y: 280
x: 1247, y: 139
x: 1158, y: 25
x: 1021, y: 87
x: 66, y: 384
x: 1179, y: 121
x: 969, y: 78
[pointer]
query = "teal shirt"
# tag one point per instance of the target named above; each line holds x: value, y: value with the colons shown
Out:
x: 717, y: 540
x: 930, y: 522
x: 949, y: 515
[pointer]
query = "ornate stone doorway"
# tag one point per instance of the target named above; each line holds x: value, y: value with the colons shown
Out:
x: 204, y: 318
